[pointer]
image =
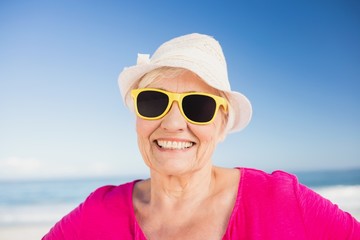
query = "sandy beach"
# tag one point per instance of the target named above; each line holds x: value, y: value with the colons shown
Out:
x: 21, y: 232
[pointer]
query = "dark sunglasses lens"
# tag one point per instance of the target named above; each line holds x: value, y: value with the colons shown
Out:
x: 151, y: 103
x: 199, y: 108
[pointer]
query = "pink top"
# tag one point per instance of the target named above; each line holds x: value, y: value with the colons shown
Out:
x: 268, y: 206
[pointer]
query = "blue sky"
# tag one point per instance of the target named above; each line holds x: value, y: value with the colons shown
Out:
x: 61, y: 113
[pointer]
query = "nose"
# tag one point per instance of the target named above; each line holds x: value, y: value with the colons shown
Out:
x: 174, y: 120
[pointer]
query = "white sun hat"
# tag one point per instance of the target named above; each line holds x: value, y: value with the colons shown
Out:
x: 201, y: 54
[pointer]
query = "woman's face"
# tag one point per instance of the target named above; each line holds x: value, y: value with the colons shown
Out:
x: 171, y: 145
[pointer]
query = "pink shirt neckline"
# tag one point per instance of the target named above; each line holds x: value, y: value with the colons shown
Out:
x: 140, y: 233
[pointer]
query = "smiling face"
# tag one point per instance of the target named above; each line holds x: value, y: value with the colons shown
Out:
x: 172, y: 145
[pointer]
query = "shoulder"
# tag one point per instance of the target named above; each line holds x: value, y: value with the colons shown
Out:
x: 263, y: 190
x: 282, y: 206
x: 110, y: 199
x: 269, y: 201
x: 112, y: 192
x: 106, y: 195
x: 105, y: 213
x: 277, y: 179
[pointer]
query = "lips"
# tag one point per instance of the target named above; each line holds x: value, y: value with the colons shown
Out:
x: 174, y: 145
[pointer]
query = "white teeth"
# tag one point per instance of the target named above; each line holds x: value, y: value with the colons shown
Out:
x: 174, y: 145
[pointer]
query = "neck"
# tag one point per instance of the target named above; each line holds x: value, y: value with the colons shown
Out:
x: 193, y: 187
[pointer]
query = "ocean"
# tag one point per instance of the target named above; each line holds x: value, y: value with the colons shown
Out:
x: 43, y: 203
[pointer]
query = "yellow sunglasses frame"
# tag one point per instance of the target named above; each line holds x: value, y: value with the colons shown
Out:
x: 178, y: 97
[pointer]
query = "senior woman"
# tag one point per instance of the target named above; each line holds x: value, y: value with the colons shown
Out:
x: 184, y: 108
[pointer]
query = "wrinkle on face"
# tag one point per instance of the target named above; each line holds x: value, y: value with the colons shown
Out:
x: 206, y: 137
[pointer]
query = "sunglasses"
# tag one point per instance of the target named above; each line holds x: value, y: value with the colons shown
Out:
x: 197, y: 108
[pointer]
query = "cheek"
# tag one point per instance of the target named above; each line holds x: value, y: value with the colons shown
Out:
x: 144, y: 128
x: 208, y: 138
x: 207, y: 142
x: 212, y: 133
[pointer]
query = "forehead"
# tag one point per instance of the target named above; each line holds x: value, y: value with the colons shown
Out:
x: 183, y: 81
